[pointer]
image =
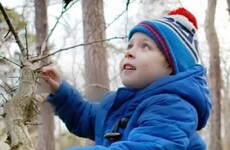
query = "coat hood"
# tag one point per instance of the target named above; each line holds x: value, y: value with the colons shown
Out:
x: 191, y: 86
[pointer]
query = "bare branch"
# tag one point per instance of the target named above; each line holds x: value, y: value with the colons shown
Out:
x: 3, y: 57
x: 33, y: 115
x: 3, y: 97
x: 8, y: 89
x: 43, y: 65
x: 7, y: 34
x: 98, y: 85
x: 44, y: 44
x: 33, y: 123
x: 115, y: 19
x: 71, y: 47
x: 127, y: 4
x: 27, y: 50
x: 12, y: 30
x: 179, y: 1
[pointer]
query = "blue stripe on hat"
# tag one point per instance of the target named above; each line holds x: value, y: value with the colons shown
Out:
x: 180, y: 51
x: 182, y: 38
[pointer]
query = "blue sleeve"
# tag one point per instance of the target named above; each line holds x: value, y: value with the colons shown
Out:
x: 167, y: 124
x: 74, y: 111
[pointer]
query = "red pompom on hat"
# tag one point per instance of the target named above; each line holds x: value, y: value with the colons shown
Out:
x: 184, y: 12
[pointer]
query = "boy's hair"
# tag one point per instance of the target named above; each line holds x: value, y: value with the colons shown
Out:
x: 175, y: 35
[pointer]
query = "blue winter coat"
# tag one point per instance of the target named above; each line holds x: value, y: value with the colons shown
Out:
x: 163, y: 116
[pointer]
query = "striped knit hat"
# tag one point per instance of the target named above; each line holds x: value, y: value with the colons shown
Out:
x: 175, y: 35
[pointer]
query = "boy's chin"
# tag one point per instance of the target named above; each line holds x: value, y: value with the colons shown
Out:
x: 128, y: 84
x: 132, y: 85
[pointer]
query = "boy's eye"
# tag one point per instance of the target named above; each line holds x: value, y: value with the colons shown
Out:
x: 146, y: 46
x: 129, y: 46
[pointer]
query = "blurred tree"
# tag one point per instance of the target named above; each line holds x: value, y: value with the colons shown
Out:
x: 46, y: 140
x: 228, y: 9
x: 226, y: 103
x: 96, y: 65
x: 214, y: 76
x: 6, y: 68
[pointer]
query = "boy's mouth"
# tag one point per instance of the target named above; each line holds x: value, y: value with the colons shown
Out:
x: 128, y: 67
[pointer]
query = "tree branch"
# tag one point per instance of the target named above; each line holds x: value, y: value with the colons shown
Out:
x: 5, y: 100
x: 115, y: 19
x: 71, y: 47
x: 12, y: 30
x: 27, y: 49
x: 3, y: 57
x: 44, y: 44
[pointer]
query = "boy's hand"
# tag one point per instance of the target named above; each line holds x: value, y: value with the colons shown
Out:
x: 51, y: 77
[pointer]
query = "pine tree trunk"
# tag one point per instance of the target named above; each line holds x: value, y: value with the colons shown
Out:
x: 46, y: 139
x: 96, y: 65
x: 214, y: 76
x: 226, y: 108
x: 226, y: 121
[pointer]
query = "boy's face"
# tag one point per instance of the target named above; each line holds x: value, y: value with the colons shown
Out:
x: 143, y: 62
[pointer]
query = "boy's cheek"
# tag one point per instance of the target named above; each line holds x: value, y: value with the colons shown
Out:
x: 121, y: 64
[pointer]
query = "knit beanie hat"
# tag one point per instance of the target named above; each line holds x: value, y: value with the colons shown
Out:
x: 175, y: 35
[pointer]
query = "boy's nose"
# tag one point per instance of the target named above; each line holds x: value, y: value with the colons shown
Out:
x: 129, y: 54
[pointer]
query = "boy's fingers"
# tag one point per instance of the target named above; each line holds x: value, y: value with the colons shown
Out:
x: 41, y: 97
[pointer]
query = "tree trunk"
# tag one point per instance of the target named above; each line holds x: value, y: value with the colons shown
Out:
x: 226, y: 120
x: 214, y: 76
x: 46, y: 139
x: 96, y: 65
x: 18, y: 111
x: 226, y: 106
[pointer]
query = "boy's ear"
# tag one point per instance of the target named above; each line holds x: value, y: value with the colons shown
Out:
x: 168, y: 68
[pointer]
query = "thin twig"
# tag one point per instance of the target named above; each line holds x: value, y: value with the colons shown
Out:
x: 30, y: 117
x: 115, y: 19
x: 3, y: 88
x: 180, y: 3
x: 10, y: 77
x: 33, y: 123
x: 27, y: 50
x: 127, y: 4
x: 43, y: 65
x: 71, y: 47
x: 3, y: 57
x: 7, y: 89
x: 3, y: 97
x: 12, y: 29
x: 44, y: 44
x: 97, y: 85
x: 7, y: 34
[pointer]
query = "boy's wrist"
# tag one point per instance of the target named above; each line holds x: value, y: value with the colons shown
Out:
x: 55, y: 88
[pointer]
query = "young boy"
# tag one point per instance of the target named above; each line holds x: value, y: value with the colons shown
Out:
x: 164, y: 101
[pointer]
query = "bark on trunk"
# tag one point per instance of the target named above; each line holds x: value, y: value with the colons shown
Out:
x: 96, y: 72
x: 19, y: 109
x: 214, y: 76
x: 226, y: 108
x: 96, y: 63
